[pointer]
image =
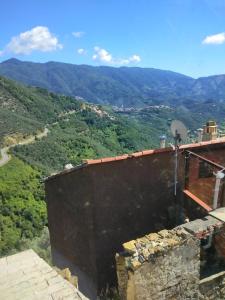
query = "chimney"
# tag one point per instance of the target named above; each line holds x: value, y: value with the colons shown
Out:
x: 210, y: 131
x: 200, y: 134
x: 162, y: 139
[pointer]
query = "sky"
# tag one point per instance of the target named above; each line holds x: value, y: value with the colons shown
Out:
x: 185, y: 36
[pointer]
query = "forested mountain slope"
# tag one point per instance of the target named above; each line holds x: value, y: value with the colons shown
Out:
x: 79, y: 130
x: 24, y: 110
x: 115, y: 86
x: 127, y: 86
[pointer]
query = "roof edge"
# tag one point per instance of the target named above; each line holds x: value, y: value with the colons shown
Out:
x: 89, y: 162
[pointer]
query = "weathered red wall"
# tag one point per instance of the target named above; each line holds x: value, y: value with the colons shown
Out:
x: 70, y: 221
x: 93, y: 210
x: 132, y: 197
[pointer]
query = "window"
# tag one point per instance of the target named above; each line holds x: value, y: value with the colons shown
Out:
x: 205, y: 170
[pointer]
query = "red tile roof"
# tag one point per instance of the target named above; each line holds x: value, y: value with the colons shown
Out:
x: 88, y: 162
x: 149, y: 152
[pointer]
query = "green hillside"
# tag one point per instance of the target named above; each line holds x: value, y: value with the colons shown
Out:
x: 85, y: 134
x: 22, y: 207
x: 25, y: 110
x: 76, y: 131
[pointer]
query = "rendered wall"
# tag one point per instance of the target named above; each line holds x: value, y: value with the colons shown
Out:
x: 132, y: 197
x: 70, y: 221
x: 93, y: 210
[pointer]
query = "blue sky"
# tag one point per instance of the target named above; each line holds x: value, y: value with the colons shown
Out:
x: 186, y: 36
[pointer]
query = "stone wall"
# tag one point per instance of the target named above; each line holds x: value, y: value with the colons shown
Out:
x: 161, y: 266
x: 213, y: 287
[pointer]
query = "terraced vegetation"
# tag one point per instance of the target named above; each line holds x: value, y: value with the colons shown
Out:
x: 22, y: 206
x: 26, y: 110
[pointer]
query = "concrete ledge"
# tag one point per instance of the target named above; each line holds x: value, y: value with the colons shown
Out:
x: 212, y: 277
x: 26, y: 276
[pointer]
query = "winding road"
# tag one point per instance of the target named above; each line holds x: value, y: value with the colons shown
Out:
x: 5, y: 157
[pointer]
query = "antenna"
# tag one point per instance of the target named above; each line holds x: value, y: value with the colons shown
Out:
x: 179, y: 132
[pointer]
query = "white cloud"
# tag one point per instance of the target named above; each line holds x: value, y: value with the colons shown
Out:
x: 78, y: 34
x: 103, y: 55
x: 123, y: 61
x: 37, y: 39
x: 218, y: 39
x: 135, y: 58
x: 81, y: 51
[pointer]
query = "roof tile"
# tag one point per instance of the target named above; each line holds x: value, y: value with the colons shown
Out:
x: 92, y: 161
x: 121, y: 157
x: 147, y: 152
x: 154, y: 151
x: 139, y: 154
x: 136, y: 154
x: 108, y: 159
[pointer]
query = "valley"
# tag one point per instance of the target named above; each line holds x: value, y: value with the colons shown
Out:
x: 42, y: 132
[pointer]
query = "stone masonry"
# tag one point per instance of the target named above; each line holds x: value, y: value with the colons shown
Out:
x: 163, y: 265
x: 25, y: 276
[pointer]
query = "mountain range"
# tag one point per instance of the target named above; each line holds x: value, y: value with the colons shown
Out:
x: 123, y: 86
